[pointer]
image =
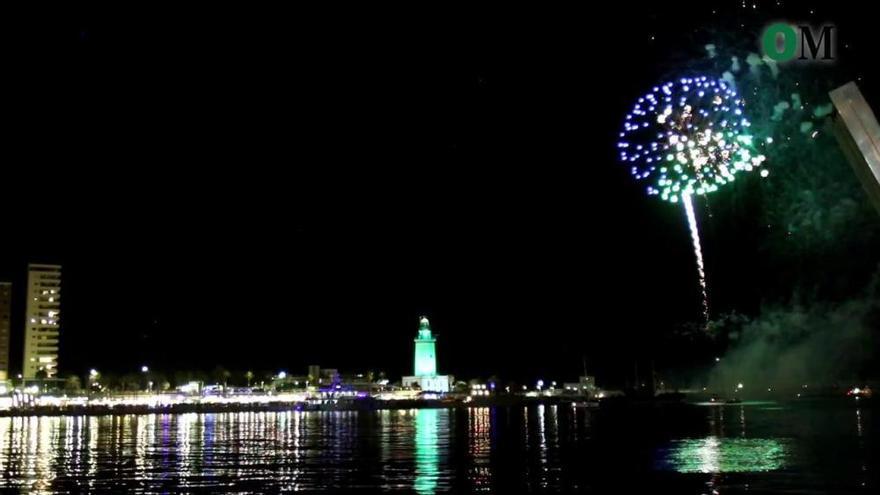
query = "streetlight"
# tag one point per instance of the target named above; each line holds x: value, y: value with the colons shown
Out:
x: 93, y: 379
x: 146, y: 369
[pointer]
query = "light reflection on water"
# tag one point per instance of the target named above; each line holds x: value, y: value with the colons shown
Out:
x: 726, y: 455
x: 427, y: 455
x: 503, y: 450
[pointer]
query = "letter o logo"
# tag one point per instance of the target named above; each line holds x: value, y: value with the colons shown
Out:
x: 789, y: 42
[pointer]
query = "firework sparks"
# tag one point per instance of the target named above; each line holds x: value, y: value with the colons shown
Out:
x: 688, y: 138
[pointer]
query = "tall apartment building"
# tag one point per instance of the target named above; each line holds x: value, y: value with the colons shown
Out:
x: 42, y: 321
x: 5, y: 330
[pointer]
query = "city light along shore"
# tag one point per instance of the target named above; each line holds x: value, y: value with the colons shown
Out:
x: 320, y: 389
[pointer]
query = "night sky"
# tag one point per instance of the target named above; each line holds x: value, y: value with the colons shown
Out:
x: 269, y: 190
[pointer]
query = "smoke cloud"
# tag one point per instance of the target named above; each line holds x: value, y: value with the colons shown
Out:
x: 800, y: 343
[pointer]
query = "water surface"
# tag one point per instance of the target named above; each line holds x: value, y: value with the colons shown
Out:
x: 752, y: 447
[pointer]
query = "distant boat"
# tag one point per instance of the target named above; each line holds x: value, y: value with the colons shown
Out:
x: 860, y: 393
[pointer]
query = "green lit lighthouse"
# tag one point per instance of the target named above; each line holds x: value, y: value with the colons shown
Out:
x: 425, y: 375
x: 426, y: 355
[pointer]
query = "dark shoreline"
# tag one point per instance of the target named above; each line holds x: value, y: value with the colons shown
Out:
x: 614, y: 404
x: 354, y: 405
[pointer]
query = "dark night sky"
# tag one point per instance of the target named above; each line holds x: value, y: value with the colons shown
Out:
x: 271, y: 189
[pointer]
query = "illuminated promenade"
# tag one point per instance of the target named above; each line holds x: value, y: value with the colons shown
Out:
x: 20, y: 404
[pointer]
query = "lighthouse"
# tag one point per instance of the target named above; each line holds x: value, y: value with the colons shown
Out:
x: 425, y: 375
x: 425, y: 363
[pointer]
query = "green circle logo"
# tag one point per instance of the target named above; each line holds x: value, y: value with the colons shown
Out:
x: 771, y: 45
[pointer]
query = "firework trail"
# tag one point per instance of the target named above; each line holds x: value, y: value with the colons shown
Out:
x: 688, y: 202
x: 689, y: 137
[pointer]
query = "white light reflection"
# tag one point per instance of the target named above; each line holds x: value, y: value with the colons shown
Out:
x: 479, y: 448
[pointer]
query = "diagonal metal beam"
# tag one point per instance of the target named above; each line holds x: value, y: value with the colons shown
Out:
x: 858, y: 133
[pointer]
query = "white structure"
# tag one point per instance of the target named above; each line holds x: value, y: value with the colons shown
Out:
x: 436, y: 383
x: 42, y: 321
x: 858, y: 133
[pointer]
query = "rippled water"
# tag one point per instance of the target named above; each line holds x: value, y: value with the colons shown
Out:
x: 755, y: 448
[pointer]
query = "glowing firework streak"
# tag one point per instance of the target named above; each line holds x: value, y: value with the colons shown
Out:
x: 688, y: 202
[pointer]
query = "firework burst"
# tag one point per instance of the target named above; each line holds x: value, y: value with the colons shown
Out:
x: 688, y: 137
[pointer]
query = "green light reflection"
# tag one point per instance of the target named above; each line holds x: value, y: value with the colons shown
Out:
x: 726, y: 455
x: 427, y: 452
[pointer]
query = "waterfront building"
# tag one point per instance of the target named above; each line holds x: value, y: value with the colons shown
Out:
x: 586, y: 385
x: 42, y: 321
x: 5, y: 328
x: 322, y: 376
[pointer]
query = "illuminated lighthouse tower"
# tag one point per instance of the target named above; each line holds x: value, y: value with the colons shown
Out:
x: 425, y: 374
x: 426, y: 356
